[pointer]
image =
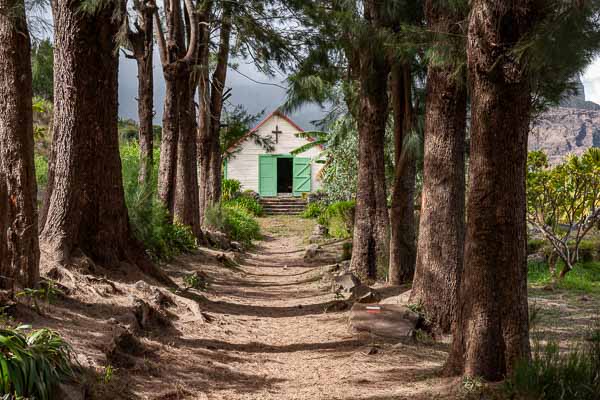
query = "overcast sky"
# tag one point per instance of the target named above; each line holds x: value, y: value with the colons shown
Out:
x: 256, y: 97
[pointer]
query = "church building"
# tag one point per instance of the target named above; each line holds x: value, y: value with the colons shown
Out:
x: 275, y: 173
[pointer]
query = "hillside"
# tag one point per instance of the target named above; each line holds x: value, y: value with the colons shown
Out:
x: 569, y: 129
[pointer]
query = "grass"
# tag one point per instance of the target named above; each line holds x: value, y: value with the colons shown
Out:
x: 585, y: 277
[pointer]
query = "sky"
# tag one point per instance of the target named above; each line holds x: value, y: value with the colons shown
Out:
x: 591, y: 81
x: 266, y: 95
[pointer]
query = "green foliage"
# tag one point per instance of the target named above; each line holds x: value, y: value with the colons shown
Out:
x: 313, y: 210
x: 128, y: 130
x: 247, y: 203
x: 585, y: 277
x: 32, y: 365
x: 339, y: 219
x: 41, y: 171
x: 563, y: 202
x: 195, y: 281
x: 234, y: 221
x: 535, y: 245
x: 42, y: 68
x: 230, y: 188
x: 555, y: 375
x: 149, y: 218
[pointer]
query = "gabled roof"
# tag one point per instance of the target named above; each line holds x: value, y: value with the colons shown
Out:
x: 260, y: 124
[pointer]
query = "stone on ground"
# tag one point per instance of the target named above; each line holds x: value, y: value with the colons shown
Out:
x: 385, y: 320
x: 364, y: 294
x: 312, y: 251
x: 345, y: 282
x: 402, y: 298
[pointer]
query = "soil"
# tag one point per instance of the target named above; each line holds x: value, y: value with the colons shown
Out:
x: 260, y: 330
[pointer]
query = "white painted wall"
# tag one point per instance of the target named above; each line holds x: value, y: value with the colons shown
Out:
x: 243, y: 165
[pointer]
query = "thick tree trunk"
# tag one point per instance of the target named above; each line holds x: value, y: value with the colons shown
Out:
x: 402, y: 212
x: 370, y: 246
x: 86, y: 208
x: 168, y: 146
x: 185, y: 204
x: 491, y: 333
x: 442, y: 222
x: 19, y: 251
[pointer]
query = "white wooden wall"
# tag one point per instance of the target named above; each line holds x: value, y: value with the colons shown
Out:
x: 243, y: 165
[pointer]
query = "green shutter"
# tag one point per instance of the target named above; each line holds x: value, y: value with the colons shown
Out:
x: 302, y: 176
x: 225, y: 169
x: 267, y: 175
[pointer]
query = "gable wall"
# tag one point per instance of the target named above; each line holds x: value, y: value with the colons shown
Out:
x: 243, y: 166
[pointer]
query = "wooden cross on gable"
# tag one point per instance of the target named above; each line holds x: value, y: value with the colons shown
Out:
x: 277, y: 132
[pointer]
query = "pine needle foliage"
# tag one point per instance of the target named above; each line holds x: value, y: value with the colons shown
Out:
x: 32, y: 365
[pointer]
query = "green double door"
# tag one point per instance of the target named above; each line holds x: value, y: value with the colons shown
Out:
x: 268, y: 174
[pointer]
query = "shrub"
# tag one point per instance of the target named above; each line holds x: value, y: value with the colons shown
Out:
x: 234, y: 221
x: 249, y: 204
x: 588, y: 251
x: 535, y: 245
x: 149, y: 219
x: 552, y: 375
x: 41, y: 171
x: 313, y: 210
x: 339, y: 219
x: 32, y: 365
x: 230, y: 189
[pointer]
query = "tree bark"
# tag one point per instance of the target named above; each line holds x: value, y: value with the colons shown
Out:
x: 178, y: 182
x: 370, y: 245
x: 143, y: 45
x: 491, y: 333
x: 168, y: 146
x: 442, y: 222
x: 185, y: 205
x: 19, y: 251
x: 86, y: 208
x: 402, y: 212
x: 210, y: 152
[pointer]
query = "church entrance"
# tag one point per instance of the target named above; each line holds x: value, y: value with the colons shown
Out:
x: 285, y: 175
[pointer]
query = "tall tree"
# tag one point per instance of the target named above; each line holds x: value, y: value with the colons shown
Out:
x: 370, y: 243
x: 178, y: 181
x: 407, y: 17
x: 402, y: 211
x: 211, y: 93
x: 141, y: 43
x: 19, y: 251
x: 85, y: 205
x: 491, y: 332
x: 442, y: 222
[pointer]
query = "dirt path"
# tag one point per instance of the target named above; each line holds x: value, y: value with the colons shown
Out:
x: 270, y: 338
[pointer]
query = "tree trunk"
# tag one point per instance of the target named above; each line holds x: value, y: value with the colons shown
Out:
x: 19, y: 251
x: 215, y: 158
x: 491, y: 333
x: 442, y: 222
x: 370, y: 245
x: 143, y: 46
x: 204, y: 121
x: 185, y: 204
x: 402, y: 213
x: 168, y: 146
x: 86, y: 208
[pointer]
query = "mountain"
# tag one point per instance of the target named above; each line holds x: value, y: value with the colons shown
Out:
x: 571, y: 128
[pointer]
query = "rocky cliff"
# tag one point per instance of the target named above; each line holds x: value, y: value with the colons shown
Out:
x: 569, y: 129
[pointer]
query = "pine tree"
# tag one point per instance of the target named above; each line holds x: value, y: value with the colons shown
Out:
x: 19, y: 251
x: 442, y: 217
x: 85, y: 206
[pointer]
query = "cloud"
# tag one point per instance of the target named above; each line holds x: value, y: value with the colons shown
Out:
x: 591, y: 81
